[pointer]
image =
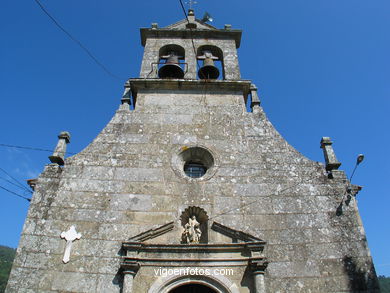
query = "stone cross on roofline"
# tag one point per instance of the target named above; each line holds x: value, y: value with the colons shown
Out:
x: 190, y: 3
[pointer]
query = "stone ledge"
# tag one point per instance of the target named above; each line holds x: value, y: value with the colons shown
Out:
x: 187, y: 248
x: 189, y: 34
x: 217, y: 86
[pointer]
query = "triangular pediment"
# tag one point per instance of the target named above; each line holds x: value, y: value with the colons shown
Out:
x: 171, y: 232
x: 235, y: 235
x: 182, y: 25
x: 162, y: 250
x: 153, y: 233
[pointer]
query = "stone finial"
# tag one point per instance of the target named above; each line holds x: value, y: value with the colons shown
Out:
x: 126, y: 97
x: 59, y: 152
x: 330, y: 158
x: 228, y: 27
x: 255, y: 97
x: 191, y: 19
x: 32, y: 183
x: 154, y: 25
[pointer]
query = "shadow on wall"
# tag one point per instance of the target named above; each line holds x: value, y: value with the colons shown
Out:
x: 118, y: 280
x: 247, y: 280
x: 361, y: 279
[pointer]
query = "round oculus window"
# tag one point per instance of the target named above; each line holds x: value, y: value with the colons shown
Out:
x: 194, y: 169
x: 194, y: 163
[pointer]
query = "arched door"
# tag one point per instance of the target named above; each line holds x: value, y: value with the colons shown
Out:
x: 192, y: 288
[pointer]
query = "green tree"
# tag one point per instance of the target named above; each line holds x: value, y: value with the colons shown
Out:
x: 384, y: 283
x: 7, y: 255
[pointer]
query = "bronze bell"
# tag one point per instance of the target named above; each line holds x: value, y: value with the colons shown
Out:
x: 171, y: 68
x: 208, y: 70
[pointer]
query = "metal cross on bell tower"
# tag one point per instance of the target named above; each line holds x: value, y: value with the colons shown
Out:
x: 191, y: 3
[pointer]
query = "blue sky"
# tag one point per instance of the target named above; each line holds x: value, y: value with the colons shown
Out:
x: 322, y: 68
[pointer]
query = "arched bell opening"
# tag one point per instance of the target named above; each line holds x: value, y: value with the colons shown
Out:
x: 171, y: 63
x: 212, y: 67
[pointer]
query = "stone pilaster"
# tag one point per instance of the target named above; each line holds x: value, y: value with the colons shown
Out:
x: 258, y: 270
x: 255, y: 103
x: 130, y: 270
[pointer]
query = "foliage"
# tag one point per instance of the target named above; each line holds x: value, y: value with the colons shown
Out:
x: 384, y: 283
x: 7, y: 255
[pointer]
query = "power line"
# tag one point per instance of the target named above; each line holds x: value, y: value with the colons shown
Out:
x: 184, y: 10
x: 30, y: 148
x: 252, y: 202
x: 192, y: 39
x: 17, y: 181
x: 218, y: 215
x: 91, y: 154
x: 89, y: 53
x: 16, y: 185
x: 14, y: 193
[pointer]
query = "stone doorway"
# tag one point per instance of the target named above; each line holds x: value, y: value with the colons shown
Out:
x: 192, y: 288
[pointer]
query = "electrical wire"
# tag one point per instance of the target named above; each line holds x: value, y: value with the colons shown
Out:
x: 111, y: 74
x: 112, y: 156
x: 30, y: 148
x: 218, y: 215
x: 252, y: 202
x: 192, y: 39
x: 50, y: 151
x: 16, y: 194
x: 197, y: 61
x: 17, y: 181
x: 16, y: 185
x: 89, y: 53
x: 184, y: 10
x: 348, y: 192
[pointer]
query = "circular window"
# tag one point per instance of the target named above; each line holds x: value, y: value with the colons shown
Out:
x: 194, y: 170
x: 194, y: 163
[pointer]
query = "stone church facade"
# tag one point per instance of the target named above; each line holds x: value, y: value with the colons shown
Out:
x: 185, y: 190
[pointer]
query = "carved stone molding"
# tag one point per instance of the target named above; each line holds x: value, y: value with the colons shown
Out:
x: 153, y: 233
x: 234, y: 234
x: 258, y: 266
x: 237, y: 254
x: 245, y: 253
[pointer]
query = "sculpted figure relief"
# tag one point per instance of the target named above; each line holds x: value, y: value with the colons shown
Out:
x: 192, y: 231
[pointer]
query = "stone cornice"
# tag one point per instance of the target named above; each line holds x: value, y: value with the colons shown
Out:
x: 198, y: 248
x: 179, y: 255
x: 191, y: 34
x: 128, y: 263
x: 136, y: 84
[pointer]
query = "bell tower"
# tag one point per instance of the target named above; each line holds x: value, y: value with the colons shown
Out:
x: 189, y: 56
x: 186, y: 44
x: 186, y: 190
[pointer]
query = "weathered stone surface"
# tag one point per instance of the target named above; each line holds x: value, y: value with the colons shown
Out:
x: 126, y: 182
